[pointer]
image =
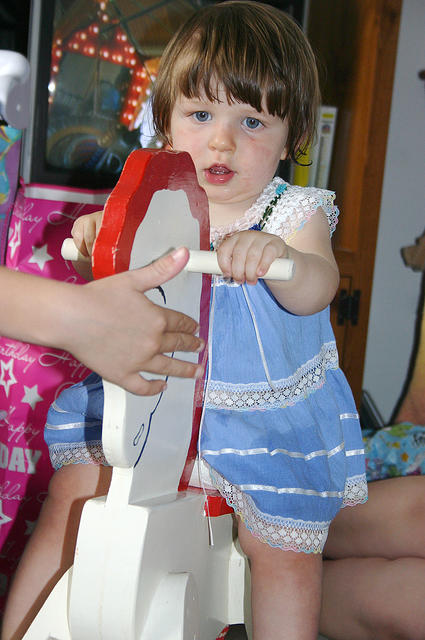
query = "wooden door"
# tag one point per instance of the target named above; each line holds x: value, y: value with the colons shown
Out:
x: 357, y: 42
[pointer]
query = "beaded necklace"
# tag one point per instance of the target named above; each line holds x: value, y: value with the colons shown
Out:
x: 269, y: 209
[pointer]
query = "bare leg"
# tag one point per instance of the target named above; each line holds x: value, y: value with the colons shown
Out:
x: 373, y: 599
x: 286, y: 590
x: 391, y: 524
x: 374, y: 586
x: 50, y: 550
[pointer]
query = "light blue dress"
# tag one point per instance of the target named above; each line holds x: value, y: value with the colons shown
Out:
x: 280, y: 432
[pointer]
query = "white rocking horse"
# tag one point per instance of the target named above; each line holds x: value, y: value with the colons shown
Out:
x: 144, y: 566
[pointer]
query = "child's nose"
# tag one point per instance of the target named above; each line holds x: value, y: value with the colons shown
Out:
x: 222, y: 139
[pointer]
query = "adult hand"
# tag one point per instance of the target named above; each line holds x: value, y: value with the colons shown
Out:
x: 109, y: 325
x: 117, y: 331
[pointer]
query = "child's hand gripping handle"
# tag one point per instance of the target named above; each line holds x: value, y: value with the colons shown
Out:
x: 199, y: 261
x: 206, y: 262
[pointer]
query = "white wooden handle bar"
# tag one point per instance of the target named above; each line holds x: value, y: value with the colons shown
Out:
x: 206, y: 262
x: 199, y: 261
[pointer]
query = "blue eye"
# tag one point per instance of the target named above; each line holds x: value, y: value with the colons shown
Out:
x: 202, y: 116
x: 252, y: 123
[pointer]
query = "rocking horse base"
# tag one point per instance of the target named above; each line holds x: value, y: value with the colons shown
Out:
x: 171, y: 585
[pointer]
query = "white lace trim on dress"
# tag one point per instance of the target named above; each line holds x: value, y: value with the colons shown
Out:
x: 287, y: 533
x: 247, y: 397
x: 294, y: 208
x: 77, y: 453
x: 355, y: 491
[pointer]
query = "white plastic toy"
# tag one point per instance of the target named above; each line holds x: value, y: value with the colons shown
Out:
x: 145, y: 568
x: 14, y: 89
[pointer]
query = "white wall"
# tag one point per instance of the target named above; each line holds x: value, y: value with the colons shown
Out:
x: 396, y: 288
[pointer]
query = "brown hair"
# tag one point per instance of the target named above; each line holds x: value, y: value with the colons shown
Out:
x: 251, y: 49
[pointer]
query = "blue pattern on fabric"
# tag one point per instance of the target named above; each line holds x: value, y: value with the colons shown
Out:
x: 395, y: 450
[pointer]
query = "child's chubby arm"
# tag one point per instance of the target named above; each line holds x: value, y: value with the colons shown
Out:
x: 84, y: 233
x: 247, y: 255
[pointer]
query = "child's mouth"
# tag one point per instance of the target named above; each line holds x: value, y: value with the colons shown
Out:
x: 218, y: 174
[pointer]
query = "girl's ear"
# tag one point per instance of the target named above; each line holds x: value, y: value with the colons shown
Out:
x: 284, y: 154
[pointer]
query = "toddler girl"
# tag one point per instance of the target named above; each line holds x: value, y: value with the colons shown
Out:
x: 238, y: 90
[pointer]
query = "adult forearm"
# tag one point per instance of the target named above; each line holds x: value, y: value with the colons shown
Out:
x: 32, y: 307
